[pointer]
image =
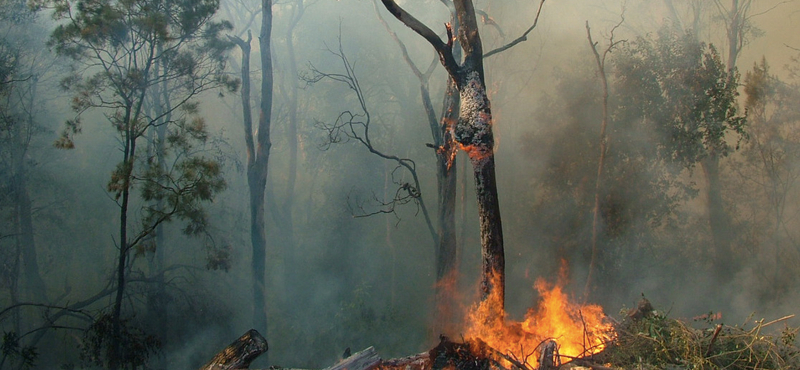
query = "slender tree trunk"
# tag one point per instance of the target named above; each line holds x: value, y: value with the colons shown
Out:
x: 26, y: 256
x: 447, y: 248
x: 157, y: 293
x: 34, y: 284
x: 719, y: 221
x: 445, y: 238
x: 116, y: 318
x: 286, y: 219
x: 736, y: 20
x: 600, y: 63
x: 257, y: 172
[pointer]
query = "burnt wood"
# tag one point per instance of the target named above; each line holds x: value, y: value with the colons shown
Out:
x: 240, y: 353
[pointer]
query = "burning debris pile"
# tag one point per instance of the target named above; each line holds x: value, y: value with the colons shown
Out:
x: 577, y: 330
x: 560, y: 334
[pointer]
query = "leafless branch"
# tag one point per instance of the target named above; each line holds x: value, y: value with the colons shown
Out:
x: 444, y: 49
x: 355, y: 125
x: 522, y: 38
x: 488, y: 20
x: 423, y: 77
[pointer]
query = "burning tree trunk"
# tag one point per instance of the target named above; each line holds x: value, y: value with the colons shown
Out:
x: 473, y: 132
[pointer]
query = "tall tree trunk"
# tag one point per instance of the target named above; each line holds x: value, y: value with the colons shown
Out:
x: 447, y: 248
x: 600, y: 63
x: 286, y: 220
x: 719, y: 221
x: 130, y: 135
x: 473, y: 132
x: 735, y: 24
x: 116, y: 316
x: 34, y: 284
x: 156, y: 300
x: 257, y: 172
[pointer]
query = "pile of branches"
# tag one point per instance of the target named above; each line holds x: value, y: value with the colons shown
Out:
x: 648, y: 339
x: 645, y: 339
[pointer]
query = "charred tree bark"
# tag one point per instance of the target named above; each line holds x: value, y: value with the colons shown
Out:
x: 446, y: 184
x: 473, y: 132
x: 362, y: 360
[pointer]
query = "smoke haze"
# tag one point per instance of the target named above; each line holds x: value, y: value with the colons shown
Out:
x: 337, y: 280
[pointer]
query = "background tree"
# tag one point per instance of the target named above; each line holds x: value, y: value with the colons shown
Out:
x: 22, y: 71
x: 691, y: 101
x: 766, y: 170
x: 600, y: 61
x: 122, y: 52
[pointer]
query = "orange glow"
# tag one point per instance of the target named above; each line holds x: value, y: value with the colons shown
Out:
x: 579, y: 330
x: 475, y: 152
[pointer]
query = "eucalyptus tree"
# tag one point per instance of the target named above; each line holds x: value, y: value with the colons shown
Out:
x: 122, y: 51
x: 682, y: 88
x: 472, y: 132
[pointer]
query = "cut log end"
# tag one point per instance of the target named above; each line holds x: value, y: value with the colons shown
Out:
x: 240, y: 353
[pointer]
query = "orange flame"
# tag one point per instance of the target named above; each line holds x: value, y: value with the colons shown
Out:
x: 579, y: 330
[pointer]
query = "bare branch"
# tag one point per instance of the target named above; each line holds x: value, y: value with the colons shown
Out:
x: 355, y: 125
x: 522, y: 38
x: 488, y: 20
x: 444, y: 49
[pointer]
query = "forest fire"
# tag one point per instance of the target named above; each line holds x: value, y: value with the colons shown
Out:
x: 578, y: 330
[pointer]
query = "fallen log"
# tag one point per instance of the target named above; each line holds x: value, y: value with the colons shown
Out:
x: 240, y: 353
x: 364, y: 360
x: 420, y: 361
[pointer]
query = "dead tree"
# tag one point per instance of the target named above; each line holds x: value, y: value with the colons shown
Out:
x: 600, y: 61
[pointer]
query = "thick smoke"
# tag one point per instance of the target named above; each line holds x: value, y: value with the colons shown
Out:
x: 336, y: 280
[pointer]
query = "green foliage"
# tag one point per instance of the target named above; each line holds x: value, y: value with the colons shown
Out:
x: 639, y: 192
x: 137, y: 346
x: 181, y: 192
x: 14, y: 355
x: 657, y: 342
x: 129, y: 56
x: 680, y: 87
x: 123, y: 49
